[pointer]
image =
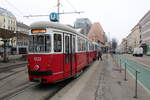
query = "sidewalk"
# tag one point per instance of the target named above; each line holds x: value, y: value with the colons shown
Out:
x: 102, y: 81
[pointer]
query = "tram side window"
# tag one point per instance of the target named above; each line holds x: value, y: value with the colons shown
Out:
x: 57, y: 43
x: 66, y: 44
x: 73, y: 45
x: 80, y: 44
x: 86, y: 45
x: 48, y: 43
x: 90, y: 46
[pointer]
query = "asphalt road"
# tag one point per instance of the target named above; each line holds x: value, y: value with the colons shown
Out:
x: 145, y: 60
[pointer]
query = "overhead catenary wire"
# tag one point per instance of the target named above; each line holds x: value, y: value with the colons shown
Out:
x: 74, y: 8
x: 71, y: 5
x: 58, y: 10
x: 9, y: 3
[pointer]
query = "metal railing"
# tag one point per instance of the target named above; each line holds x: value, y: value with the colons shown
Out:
x: 127, y: 67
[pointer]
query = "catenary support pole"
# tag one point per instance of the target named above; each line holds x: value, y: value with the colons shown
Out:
x: 125, y: 75
x: 136, y: 85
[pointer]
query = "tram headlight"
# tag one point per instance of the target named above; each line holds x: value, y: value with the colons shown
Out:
x: 36, y: 67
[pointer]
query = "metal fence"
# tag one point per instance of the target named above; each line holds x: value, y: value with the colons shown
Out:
x: 139, y: 72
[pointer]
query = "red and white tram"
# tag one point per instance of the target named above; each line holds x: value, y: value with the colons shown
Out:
x: 57, y: 52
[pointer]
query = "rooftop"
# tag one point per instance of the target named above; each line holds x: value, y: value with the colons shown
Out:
x: 20, y: 24
x: 6, y: 13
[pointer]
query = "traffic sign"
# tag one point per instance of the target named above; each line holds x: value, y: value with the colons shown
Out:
x: 54, y: 17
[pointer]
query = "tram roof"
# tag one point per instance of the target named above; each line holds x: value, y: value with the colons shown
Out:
x: 54, y: 25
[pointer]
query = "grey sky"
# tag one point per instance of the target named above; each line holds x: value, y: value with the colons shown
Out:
x: 117, y: 17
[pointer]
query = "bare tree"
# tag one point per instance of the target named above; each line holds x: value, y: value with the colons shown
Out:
x: 114, y: 44
x: 5, y: 35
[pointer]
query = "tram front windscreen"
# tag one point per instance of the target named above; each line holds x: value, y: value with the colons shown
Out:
x: 40, y: 44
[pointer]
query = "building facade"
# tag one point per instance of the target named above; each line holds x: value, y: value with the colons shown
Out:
x: 133, y: 39
x: 140, y: 34
x: 84, y: 24
x: 7, y: 22
x: 136, y: 36
x: 23, y: 28
x: 124, y: 46
x: 97, y: 33
x: 145, y: 31
x: 22, y: 32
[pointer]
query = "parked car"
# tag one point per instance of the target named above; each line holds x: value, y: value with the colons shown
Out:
x: 138, y: 51
x: 129, y: 52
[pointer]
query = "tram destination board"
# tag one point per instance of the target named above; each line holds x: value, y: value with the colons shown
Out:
x: 38, y: 31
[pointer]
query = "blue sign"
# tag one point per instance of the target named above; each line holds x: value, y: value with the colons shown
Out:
x: 54, y: 17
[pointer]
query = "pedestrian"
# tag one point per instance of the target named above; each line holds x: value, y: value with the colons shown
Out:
x: 100, y: 55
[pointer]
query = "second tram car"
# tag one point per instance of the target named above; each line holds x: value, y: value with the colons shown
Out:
x: 57, y: 52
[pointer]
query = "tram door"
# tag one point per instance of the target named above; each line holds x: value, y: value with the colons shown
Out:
x: 69, y: 55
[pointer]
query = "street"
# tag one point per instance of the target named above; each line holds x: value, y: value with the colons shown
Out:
x: 75, y: 50
x: 102, y: 80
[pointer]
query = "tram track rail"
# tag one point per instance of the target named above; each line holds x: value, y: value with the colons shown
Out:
x: 27, y: 85
x: 11, y: 67
x: 22, y: 87
x: 61, y: 86
x: 7, y: 76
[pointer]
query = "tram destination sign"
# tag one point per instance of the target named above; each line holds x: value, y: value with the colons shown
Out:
x: 38, y: 31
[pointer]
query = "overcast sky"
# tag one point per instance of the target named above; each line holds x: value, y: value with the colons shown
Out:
x: 117, y: 17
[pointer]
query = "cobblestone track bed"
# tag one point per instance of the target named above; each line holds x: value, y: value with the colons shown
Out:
x: 5, y: 77
x: 61, y: 86
x: 28, y: 85
x: 52, y: 90
x: 17, y: 91
x: 25, y: 85
x: 8, y: 68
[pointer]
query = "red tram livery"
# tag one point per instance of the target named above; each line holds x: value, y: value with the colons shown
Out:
x: 57, y: 52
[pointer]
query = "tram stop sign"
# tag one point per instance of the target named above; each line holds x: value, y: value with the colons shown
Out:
x: 54, y: 17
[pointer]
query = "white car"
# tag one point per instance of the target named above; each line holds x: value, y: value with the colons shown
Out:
x: 138, y: 51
